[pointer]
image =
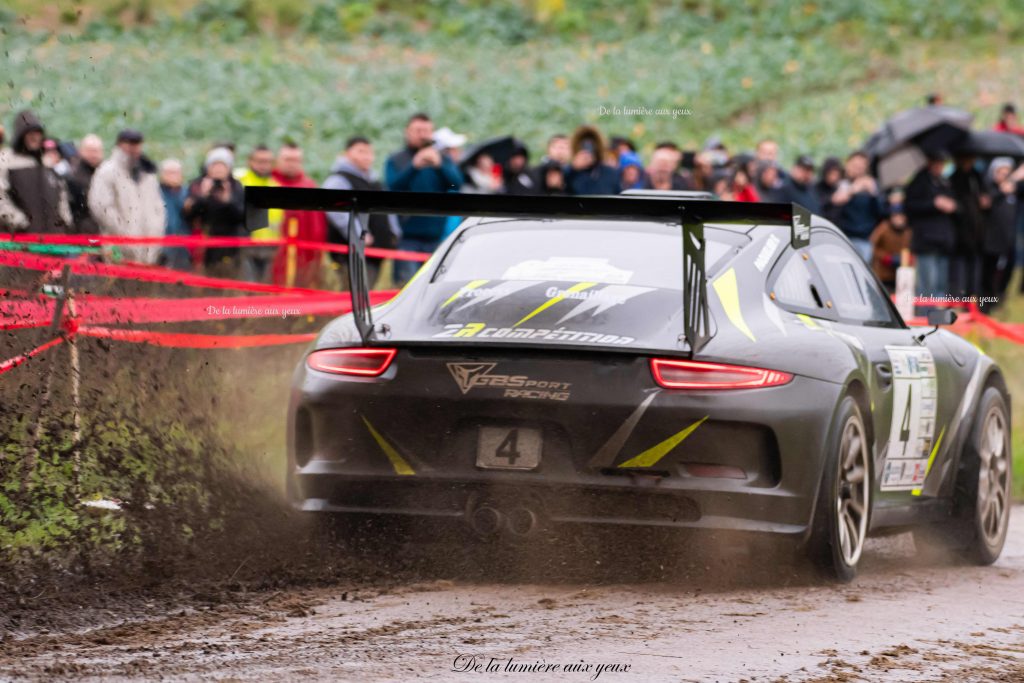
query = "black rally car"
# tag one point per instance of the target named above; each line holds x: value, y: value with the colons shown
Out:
x: 645, y: 360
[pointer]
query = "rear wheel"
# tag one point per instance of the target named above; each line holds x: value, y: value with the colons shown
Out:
x: 844, y: 499
x: 981, y: 505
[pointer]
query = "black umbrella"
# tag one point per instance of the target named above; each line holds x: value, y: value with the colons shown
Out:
x: 500, y: 149
x: 899, y: 148
x: 991, y: 143
x: 932, y: 129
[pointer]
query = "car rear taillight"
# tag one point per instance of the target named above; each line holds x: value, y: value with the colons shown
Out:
x: 691, y: 374
x: 359, y: 362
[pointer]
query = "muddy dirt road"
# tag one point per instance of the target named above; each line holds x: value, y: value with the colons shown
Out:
x: 900, y: 621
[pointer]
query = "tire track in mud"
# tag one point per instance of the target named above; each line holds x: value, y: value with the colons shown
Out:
x: 902, y: 620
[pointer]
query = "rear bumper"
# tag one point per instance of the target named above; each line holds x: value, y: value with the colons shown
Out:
x: 635, y: 501
x: 407, y: 443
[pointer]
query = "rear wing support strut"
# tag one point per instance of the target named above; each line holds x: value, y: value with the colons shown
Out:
x: 691, y: 214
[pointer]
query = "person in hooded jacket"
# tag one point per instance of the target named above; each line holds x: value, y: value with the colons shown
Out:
x: 516, y: 174
x: 125, y: 198
x: 587, y: 173
x: 353, y: 170
x: 33, y: 198
x: 829, y: 178
x: 999, y: 246
x: 768, y: 183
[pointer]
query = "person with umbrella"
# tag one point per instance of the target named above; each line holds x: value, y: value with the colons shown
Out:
x: 930, y: 210
x: 972, y: 201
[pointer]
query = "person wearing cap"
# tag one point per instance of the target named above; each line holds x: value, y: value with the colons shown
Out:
x: 1008, y: 121
x: 125, y: 199
x: 798, y: 186
x: 215, y: 206
x: 33, y: 198
x: 931, y: 210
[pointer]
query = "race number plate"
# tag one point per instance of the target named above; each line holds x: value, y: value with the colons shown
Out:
x: 508, y: 448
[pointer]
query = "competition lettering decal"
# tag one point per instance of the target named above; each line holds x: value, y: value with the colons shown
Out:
x: 482, y: 331
x: 471, y: 376
x: 912, y: 430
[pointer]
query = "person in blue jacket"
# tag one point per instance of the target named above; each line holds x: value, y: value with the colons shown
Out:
x: 420, y: 167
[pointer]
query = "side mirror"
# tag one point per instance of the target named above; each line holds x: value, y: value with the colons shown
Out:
x: 941, y: 316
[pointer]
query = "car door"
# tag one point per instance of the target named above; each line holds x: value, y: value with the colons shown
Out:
x: 903, y: 373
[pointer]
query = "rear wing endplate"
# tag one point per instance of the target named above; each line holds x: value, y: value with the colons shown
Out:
x: 691, y: 214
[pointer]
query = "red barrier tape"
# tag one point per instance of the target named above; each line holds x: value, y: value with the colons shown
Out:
x: 194, y: 341
x: 12, y: 363
x: 141, y: 273
x: 200, y: 241
x: 38, y: 311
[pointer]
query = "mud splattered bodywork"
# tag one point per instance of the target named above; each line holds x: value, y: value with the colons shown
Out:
x: 541, y: 368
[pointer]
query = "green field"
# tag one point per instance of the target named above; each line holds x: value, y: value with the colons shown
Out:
x: 819, y: 77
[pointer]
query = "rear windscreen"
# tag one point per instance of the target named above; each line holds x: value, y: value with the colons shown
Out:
x: 650, y: 255
x: 564, y: 282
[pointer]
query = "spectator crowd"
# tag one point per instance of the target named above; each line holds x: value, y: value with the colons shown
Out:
x: 958, y: 217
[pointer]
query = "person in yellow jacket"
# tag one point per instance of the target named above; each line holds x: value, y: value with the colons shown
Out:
x: 257, y: 173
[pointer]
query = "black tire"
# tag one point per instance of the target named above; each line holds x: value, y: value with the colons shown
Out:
x: 976, y: 533
x: 845, y: 487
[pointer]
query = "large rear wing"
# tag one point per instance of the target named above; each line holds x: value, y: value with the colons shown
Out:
x: 691, y: 214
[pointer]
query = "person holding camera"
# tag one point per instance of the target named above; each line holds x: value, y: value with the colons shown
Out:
x: 215, y: 206
x: 420, y: 166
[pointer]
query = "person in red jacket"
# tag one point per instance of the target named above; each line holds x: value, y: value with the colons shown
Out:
x: 294, y: 266
x: 740, y: 188
x: 1008, y: 121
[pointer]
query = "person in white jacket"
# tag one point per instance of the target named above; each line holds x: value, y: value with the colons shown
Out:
x: 124, y: 197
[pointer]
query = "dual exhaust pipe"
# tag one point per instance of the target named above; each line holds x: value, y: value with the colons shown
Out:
x: 517, y: 522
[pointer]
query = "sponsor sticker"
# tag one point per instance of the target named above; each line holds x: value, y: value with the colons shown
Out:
x: 569, y: 268
x: 470, y: 376
x: 483, y: 331
x: 767, y: 251
x: 911, y: 434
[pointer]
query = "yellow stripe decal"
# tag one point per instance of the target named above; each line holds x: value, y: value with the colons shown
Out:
x: 462, y: 290
x: 397, y: 461
x: 652, y: 455
x: 729, y: 294
x: 555, y: 299
x: 931, y: 459
x: 808, y: 321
